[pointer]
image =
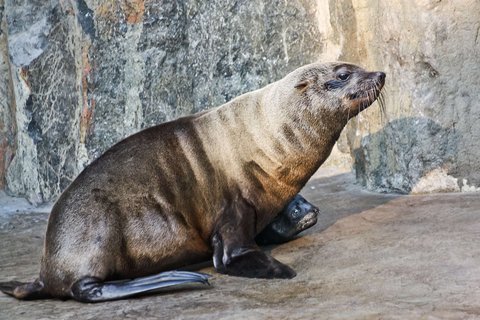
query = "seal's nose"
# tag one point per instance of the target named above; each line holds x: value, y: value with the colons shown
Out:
x: 381, y: 76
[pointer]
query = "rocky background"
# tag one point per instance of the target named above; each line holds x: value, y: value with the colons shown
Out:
x: 78, y: 76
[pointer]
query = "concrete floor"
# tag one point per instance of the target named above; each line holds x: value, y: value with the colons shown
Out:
x: 370, y: 256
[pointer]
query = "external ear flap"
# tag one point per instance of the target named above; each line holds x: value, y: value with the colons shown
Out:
x: 302, y: 85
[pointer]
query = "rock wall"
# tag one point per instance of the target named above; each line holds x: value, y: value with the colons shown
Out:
x: 430, y: 49
x: 78, y: 76
x: 87, y: 73
x: 7, y: 127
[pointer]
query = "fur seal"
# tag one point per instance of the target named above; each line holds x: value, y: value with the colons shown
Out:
x: 203, y: 185
x: 296, y: 217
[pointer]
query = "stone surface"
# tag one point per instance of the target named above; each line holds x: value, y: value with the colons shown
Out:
x: 89, y: 73
x: 370, y: 256
x: 14, y: 205
x: 430, y: 52
x: 77, y: 76
x: 7, y: 124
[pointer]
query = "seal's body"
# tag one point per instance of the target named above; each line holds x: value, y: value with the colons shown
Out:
x: 176, y: 193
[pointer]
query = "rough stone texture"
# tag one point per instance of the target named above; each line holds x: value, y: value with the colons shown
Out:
x: 7, y: 125
x: 77, y: 76
x: 89, y: 73
x: 370, y: 256
x: 430, y: 52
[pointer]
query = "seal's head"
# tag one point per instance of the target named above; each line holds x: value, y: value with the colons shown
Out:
x: 344, y: 88
x: 297, y: 216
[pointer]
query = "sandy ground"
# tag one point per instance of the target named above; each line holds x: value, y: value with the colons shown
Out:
x: 370, y: 256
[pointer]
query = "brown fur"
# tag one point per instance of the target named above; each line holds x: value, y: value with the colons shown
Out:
x: 154, y: 200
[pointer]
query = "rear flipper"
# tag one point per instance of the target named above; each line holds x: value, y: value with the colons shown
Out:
x: 24, y: 290
x: 94, y: 290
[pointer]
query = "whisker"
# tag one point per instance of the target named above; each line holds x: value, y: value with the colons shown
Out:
x: 383, y: 110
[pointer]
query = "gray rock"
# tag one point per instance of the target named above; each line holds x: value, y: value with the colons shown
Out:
x: 397, y: 157
x: 94, y: 72
x: 430, y: 52
x: 28, y: 28
x: 78, y: 76
x: 7, y: 128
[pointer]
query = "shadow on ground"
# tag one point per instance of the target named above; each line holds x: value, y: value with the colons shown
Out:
x: 337, y: 196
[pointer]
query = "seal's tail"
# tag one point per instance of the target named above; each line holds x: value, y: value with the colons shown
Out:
x: 93, y: 290
x: 24, y: 290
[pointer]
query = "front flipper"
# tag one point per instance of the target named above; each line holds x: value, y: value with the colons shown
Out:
x: 93, y: 290
x: 297, y: 216
x: 234, y: 249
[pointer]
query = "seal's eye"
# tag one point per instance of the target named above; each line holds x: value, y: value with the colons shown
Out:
x: 344, y: 76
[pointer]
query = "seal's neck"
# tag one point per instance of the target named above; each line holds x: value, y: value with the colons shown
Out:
x: 302, y: 137
x: 267, y: 151
x: 306, y: 146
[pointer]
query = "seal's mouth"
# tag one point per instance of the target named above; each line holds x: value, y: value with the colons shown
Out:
x: 309, y: 220
x: 371, y: 94
x: 367, y: 93
x: 365, y: 97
